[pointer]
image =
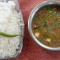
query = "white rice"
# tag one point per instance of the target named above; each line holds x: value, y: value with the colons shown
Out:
x: 10, y: 24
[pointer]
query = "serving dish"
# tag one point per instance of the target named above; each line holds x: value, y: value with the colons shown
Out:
x: 22, y: 28
x: 39, y: 6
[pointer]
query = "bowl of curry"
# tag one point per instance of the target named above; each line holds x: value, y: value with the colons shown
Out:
x: 44, y: 25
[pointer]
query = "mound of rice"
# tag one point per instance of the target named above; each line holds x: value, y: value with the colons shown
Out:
x: 10, y: 24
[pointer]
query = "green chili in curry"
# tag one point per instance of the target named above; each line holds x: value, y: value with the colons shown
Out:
x: 46, y: 28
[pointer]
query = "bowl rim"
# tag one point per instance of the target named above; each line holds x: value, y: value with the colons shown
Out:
x: 40, y: 5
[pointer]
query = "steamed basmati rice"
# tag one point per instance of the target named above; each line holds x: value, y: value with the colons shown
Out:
x: 10, y: 24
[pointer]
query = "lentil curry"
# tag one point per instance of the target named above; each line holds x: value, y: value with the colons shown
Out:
x: 46, y: 25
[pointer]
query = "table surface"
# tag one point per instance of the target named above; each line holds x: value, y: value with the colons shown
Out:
x: 31, y: 51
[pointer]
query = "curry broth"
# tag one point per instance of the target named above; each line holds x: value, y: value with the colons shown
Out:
x: 46, y: 25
